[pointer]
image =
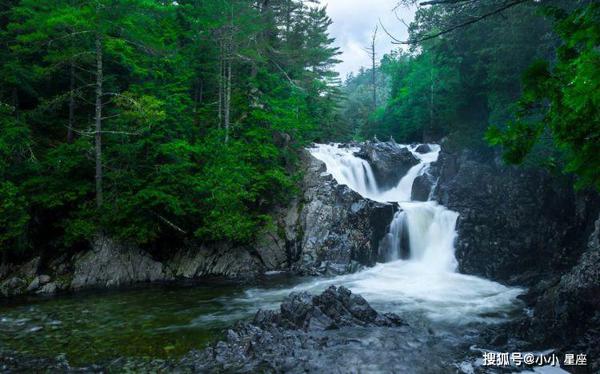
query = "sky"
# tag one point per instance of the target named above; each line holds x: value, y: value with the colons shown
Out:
x: 353, y: 24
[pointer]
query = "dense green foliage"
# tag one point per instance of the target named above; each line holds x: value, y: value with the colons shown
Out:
x: 155, y: 120
x: 485, y: 73
x: 562, y: 101
x: 459, y: 82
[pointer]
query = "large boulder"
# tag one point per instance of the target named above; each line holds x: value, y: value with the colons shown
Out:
x: 338, y: 228
x: 389, y: 161
x: 423, y: 148
x: 422, y: 187
x: 293, y: 339
x: 112, y: 264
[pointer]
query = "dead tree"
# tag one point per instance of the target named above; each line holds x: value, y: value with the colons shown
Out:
x: 372, y: 52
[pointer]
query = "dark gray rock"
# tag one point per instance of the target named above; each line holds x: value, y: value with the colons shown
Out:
x: 38, y: 282
x: 523, y: 226
x: 515, y: 223
x: 17, y: 281
x: 13, y: 286
x: 389, y: 161
x: 422, y: 187
x: 111, y: 264
x: 423, y: 148
x: 217, y: 259
x: 292, y: 339
x: 567, y: 314
x: 338, y: 227
x: 278, y: 245
x: 50, y: 288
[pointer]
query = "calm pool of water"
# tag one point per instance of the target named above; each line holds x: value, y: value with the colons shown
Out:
x: 154, y: 322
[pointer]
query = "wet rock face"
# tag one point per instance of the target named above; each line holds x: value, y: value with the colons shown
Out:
x: 284, y: 341
x: 389, y: 161
x: 567, y: 314
x: 218, y: 260
x: 525, y: 227
x: 423, y: 186
x: 515, y: 223
x: 111, y: 264
x: 339, y: 228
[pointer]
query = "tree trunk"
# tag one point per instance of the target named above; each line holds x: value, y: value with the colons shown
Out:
x: 71, y: 102
x: 374, y: 78
x: 426, y: 132
x: 98, y: 132
x: 373, y: 54
x: 198, y: 96
x: 228, y: 101
x: 221, y: 64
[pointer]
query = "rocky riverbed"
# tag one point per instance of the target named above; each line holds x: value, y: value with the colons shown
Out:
x: 308, y: 333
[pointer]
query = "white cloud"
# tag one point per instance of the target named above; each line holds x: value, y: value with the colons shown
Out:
x: 353, y: 24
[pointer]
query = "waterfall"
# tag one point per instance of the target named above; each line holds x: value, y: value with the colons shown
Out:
x: 429, y: 226
x: 419, y: 276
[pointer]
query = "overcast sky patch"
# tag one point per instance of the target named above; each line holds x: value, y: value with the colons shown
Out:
x: 353, y: 24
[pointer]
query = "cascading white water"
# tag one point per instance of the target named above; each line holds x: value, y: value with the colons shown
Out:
x: 431, y: 227
x: 394, y: 236
x: 426, y: 283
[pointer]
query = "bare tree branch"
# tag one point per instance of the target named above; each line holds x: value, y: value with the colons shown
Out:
x: 171, y: 224
x: 473, y: 20
x: 443, y: 2
x: 394, y: 39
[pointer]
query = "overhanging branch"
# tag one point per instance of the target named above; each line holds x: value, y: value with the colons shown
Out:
x: 473, y: 20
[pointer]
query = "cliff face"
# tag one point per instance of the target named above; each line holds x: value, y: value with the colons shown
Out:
x: 516, y: 225
x: 525, y: 227
x: 338, y: 229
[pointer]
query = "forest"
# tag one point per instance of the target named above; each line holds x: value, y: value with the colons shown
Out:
x: 155, y: 120
x: 159, y: 122
x: 191, y: 186
x: 524, y: 77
